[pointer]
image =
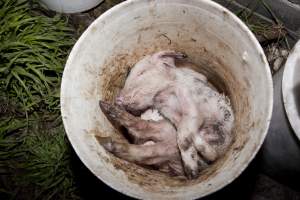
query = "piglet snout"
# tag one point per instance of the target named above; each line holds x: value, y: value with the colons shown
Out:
x: 131, y: 107
x: 125, y: 101
x: 120, y: 100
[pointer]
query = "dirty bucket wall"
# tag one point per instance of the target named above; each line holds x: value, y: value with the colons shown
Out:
x: 213, y: 38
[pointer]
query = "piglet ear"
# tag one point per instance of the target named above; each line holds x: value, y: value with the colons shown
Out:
x: 171, y: 54
x: 167, y: 58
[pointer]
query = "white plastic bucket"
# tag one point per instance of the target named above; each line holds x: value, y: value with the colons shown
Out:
x: 213, y: 38
x: 291, y: 88
x: 70, y: 6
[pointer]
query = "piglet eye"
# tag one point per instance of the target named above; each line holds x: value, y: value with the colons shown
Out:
x: 142, y: 72
x: 167, y: 65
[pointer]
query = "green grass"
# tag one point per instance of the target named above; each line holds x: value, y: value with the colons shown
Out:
x: 266, y: 32
x: 35, y: 160
x: 34, y: 155
x: 34, y: 151
x: 33, y: 50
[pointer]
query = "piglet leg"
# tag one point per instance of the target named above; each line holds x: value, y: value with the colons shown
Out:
x: 187, y: 139
x: 205, y: 149
x: 162, y: 152
x: 140, y: 154
x: 167, y: 58
x: 177, y: 105
x: 139, y: 130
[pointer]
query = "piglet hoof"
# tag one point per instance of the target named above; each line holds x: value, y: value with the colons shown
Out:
x: 191, y: 173
x: 106, y: 142
x: 190, y: 161
x: 114, y: 146
x: 110, y: 110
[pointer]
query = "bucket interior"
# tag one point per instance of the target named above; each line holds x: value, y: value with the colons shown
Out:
x: 221, y: 48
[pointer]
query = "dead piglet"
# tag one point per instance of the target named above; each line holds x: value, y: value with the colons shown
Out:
x: 157, y: 74
x: 184, y: 97
x: 162, y: 152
